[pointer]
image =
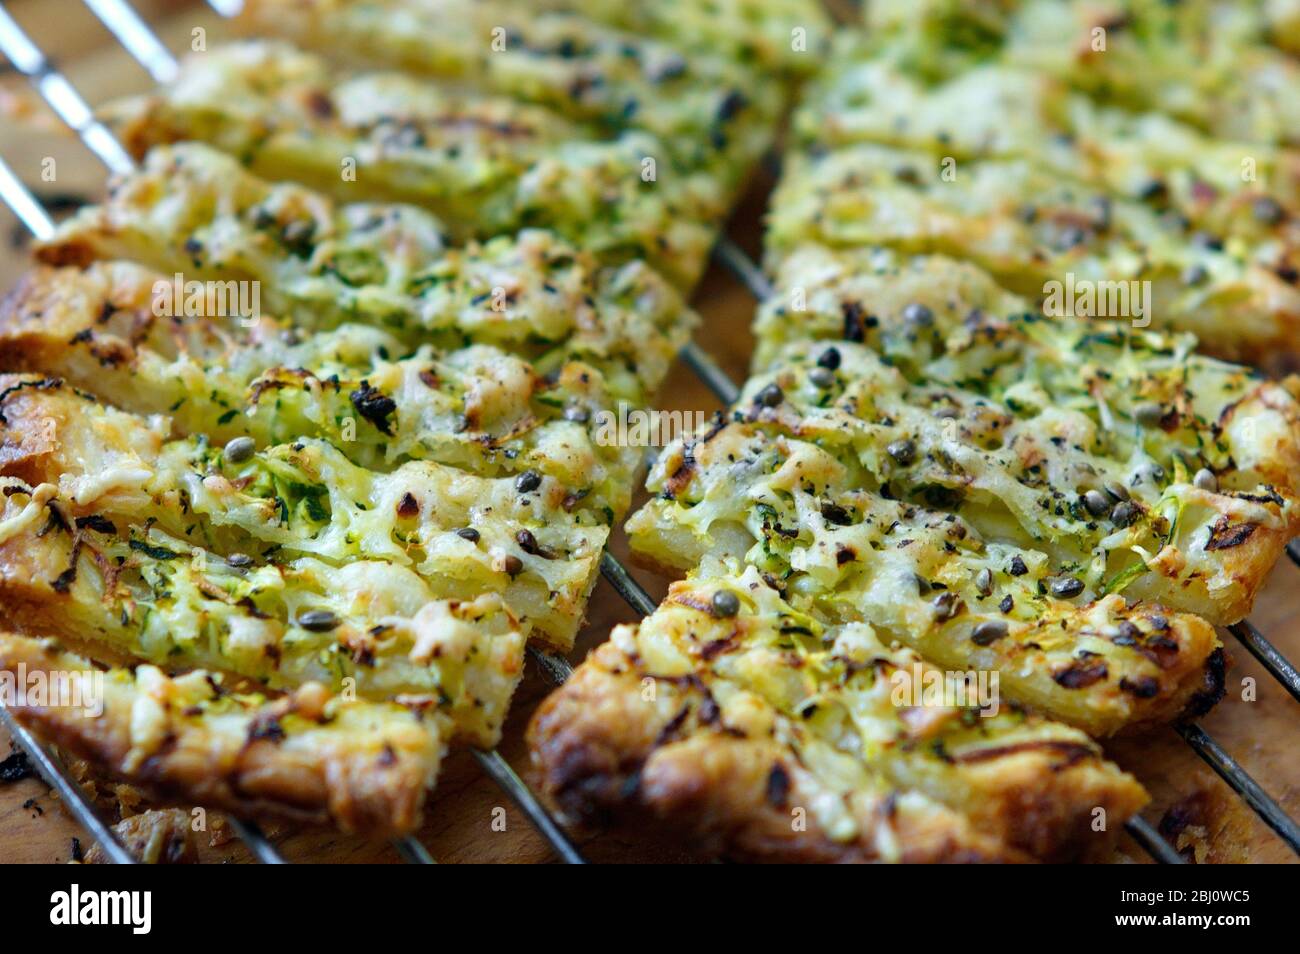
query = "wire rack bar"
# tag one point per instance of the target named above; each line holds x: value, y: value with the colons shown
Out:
x: 500, y: 771
x: 227, y: 8
x: 622, y: 581
x: 555, y: 668
x: 55, y: 89
x: 23, y: 204
x: 80, y: 807
x: 1218, y: 759
x: 256, y: 842
x: 412, y: 852
x: 743, y: 267
x: 707, y: 370
x: 134, y: 34
x: 1278, y: 666
x: 1145, y: 835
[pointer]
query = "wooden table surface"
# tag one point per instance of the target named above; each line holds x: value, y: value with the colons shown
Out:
x: 1260, y: 728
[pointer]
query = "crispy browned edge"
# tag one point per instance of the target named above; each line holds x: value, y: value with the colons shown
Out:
x: 599, y: 760
x: 605, y: 758
x: 359, y: 794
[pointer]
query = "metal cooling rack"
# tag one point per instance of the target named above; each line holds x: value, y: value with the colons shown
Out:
x: 144, y: 45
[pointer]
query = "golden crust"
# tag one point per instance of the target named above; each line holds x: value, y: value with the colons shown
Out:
x: 712, y: 728
x: 601, y: 756
x: 305, y: 757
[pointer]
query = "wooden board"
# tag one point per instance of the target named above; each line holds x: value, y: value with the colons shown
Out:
x: 1261, y: 734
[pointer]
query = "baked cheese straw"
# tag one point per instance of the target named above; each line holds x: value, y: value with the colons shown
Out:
x: 1206, y: 62
x: 1227, y: 190
x: 1035, y: 230
x: 713, y: 113
x: 486, y: 166
x: 750, y: 729
x: 308, y: 757
x: 1240, y: 197
x: 1127, y: 412
x: 1018, y: 464
x: 476, y: 408
x: 462, y: 535
x: 818, y: 529
x: 318, y: 263
x: 372, y: 628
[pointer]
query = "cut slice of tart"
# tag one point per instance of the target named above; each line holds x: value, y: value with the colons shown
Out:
x: 310, y: 756
x: 1043, y: 236
x: 196, y: 215
x: 479, y: 409
x: 373, y: 629
x: 747, y: 728
x: 485, y: 166
x: 713, y: 113
x: 461, y: 535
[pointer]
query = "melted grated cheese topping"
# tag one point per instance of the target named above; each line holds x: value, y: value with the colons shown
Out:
x: 853, y: 712
x: 360, y: 629
x: 485, y: 166
x: 1028, y: 226
x: 712, y: 112
x: 320, y: 264
x: 1211, y: 63
x: 988, y: 468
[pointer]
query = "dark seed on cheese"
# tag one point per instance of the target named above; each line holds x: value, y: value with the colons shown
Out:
x: 917, y: 315
x: 318, y: 621
x: 725, y: 603
x: 1066, y: 587
x: 1149, y: 414
x: 408, y: 506
x: 946, y: 606
x: 513, y: 565
x: 1144, y: 687
x: 240, y: 449
x: 528, y: 543
x: 988, y: 632
x: 834, y: 513
x: 829, y: 359
x: 1017, y: 567
x: 1126, y: 634
x: 1205, y: 480
x: 903, y: 452
x: 468, y: 533
x: 1125, y: 513
x: 528, y: 481
x: 1096, y: 503
x: 1117, y: 491
x: 770, y: 396
x: 239, y: 560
